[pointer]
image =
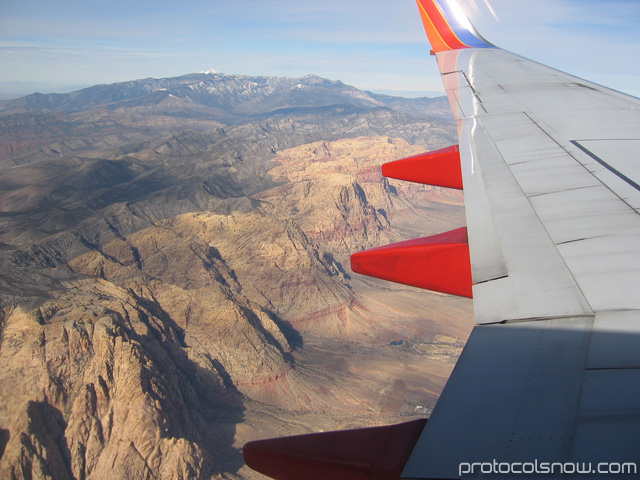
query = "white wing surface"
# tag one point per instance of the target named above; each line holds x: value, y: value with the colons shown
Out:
x: 551, y: 174
x: 548, y: 385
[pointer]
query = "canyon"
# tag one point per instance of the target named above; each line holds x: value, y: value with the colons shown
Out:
x: 175, y: 272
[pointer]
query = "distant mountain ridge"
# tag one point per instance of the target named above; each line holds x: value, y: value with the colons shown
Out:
x: 229, y: 98
x: 174, y: 274
x: 50, y: 125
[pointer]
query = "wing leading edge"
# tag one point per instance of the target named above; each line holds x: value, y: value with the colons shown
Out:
x: 549, y: 382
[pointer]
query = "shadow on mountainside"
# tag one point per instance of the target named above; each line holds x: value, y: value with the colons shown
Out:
x: 122, y: 396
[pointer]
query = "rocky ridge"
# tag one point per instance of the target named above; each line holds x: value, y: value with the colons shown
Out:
x: 167, y: 296
x: 117, y: 114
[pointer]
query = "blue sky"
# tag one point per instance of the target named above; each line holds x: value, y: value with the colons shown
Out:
x: 374, y: 44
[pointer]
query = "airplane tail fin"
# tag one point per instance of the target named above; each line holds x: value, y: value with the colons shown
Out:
x: 447, y: 26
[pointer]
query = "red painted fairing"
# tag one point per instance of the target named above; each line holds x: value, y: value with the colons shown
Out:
x: 440, y: 263
x: 378, y: 453
x: 440, y: 167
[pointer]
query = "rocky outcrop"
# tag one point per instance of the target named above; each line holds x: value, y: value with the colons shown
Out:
x: 141, y: 361
x: 100, y: 387
x: 336, y: 193
x: 45, y: 126
x: 166, y: 297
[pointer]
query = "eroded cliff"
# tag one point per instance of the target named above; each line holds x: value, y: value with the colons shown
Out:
x: 165, y: 299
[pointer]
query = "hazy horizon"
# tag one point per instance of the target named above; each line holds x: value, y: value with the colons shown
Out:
x: 375, y: 46
x: 10, y: 90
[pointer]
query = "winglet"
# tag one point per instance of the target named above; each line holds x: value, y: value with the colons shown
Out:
x: 447, y: 26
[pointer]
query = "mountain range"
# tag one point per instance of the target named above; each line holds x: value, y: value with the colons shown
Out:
x: 175, y: 276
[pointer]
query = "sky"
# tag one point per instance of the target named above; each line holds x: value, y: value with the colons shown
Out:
x: 378, y: 45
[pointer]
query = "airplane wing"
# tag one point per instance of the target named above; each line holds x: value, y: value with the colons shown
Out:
x: 549, y: 381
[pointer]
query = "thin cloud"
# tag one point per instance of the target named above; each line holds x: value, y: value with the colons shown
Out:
x: 373, y: 44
